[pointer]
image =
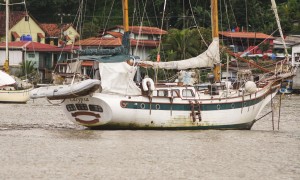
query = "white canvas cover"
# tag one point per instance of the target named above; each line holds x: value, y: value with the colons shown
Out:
x: 6, y: 79
x: 207, y: 59
x: 117, y: 78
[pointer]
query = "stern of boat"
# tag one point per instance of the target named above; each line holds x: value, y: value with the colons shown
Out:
x: 87, y: 111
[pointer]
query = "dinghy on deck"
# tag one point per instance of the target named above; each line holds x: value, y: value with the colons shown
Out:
x: 56, y: 92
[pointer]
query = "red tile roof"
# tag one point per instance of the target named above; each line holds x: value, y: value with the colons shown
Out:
x: 15, y: 34
x: 144, y: 43
x: 51, y: 30
x: 54, y: 30
x: 250, y: 35
x: 114, y: 42
x: 112, y: 33
x: 33, y: 46
x: 97, y: 41
x: 14, y: 18
x: 143, y: 29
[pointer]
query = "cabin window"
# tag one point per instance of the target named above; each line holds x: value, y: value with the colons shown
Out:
x: 162, y: 93
x: 70, y: 107
x: 81, y: 106
x: 95, y: 108
x: 175, y: 93
x: 188, y: 93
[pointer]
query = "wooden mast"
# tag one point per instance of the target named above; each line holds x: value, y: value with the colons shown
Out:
x: 6, y: 62
x: 215, y: 34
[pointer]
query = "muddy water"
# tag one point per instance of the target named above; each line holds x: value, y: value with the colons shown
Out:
x: 38, y: 142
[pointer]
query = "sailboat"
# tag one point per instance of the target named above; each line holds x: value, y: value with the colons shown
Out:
x: 10, y: 90
x: 121, y: 103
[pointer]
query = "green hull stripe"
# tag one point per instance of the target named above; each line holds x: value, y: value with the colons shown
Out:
x: 188, y: 107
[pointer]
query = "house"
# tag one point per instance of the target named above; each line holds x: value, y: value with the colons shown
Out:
x: 59, y: 35
x: 44, y: 56
x: 247, y: 43
x: 142, y: 39
x: 296, y: 62
x: 21, y: 26
x: 27, y: 42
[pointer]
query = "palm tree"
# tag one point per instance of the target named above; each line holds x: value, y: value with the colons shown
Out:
x: 186, y: 43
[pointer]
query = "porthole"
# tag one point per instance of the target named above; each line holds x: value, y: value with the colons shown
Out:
x: 157, y: 106
x: 218, y: 107
x: 232, y: 106
x: 143, y: 106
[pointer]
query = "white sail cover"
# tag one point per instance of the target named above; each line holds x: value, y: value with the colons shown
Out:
x: 6, y: 79
x: 207, y: 59
x: 117, y: 78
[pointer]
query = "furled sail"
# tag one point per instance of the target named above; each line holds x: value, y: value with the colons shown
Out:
x: 207, y: 59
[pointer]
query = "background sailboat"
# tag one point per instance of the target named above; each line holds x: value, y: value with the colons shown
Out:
x: 13, y: 92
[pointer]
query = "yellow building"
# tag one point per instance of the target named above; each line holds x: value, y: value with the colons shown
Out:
x: 21, y: 27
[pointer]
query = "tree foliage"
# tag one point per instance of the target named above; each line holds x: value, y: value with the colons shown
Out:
x: 251, y: 15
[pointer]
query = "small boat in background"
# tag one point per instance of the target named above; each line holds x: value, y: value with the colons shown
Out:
x: 12, y: 91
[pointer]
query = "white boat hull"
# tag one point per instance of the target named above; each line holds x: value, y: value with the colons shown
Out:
x: 15, y: 96
x: 134, y: 112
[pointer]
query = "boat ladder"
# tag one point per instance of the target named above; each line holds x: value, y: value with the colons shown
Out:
x: 195, y: 110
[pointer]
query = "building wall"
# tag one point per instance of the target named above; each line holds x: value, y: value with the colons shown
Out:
x: 143, y: 53
x: 34, y: 57
x: 15, y: 57
x: 296, y: 55
x: 72, y: 33
x: 28, y: 27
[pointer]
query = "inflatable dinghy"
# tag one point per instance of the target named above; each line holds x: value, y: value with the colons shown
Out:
x: 56, y: 92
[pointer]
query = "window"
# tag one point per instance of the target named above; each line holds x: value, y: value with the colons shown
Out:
x: 31, y: 55
x: 81, y: 106
x: 187, y: 93
x: 95, y: 108
x: 71, y: 107
x: 162, y: 93
x: 175, y: 93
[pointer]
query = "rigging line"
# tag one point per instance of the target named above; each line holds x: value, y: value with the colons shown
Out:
x: 201, y: 35
x: 140, y: 29
x: 84, y: 16
x: 226, y: 10
x: 262, y: 41
x: 162, y: 22
x: 26, y: 10
x: 221, y: 17
x: 156, y: 19
x: 94, y: 8
x: 274, y: 7
x: 103, y: 14
x: 105, y: 26
x: 235, y: 21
